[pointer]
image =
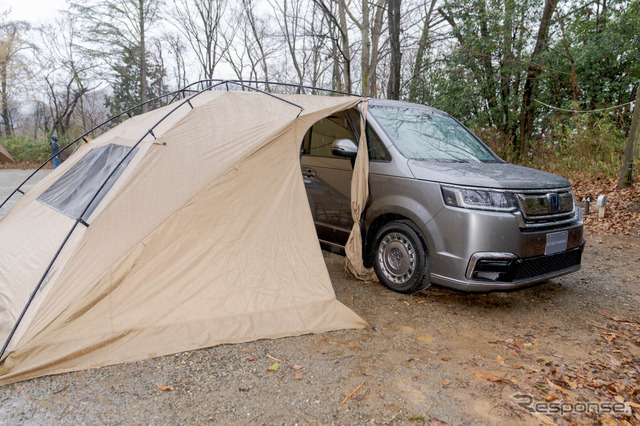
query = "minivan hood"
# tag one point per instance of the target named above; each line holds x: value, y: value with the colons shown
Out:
x: 486, y: 175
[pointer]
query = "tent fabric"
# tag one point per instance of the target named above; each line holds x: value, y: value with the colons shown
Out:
x: 205, y: 238
x: 359, y: 197
x: 5, y: 157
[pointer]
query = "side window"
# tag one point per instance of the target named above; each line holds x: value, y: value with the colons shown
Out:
x: 324, y: 132
x: 377, y: 151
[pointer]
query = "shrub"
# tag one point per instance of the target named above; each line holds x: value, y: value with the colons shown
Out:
x: 25, y: 150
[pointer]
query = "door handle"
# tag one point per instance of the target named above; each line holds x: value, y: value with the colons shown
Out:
x: 309, y: 173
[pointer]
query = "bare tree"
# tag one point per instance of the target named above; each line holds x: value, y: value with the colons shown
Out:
x: 12, y: 67
x: 177, y: 50
x: 419, y: 65
x: 291, y: 23
x: 341, y: 50
x: 65, y: 72
x: 258, y: 33
x: 370, y: 42
x: 200, y: 22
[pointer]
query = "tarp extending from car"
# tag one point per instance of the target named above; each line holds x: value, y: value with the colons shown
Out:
x: 5, y: 157
x: 201, y: 235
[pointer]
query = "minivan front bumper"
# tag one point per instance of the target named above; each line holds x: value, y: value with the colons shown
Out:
x: 499, y: 253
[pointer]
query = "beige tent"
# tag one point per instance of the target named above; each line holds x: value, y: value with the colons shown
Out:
x: 202, y: 235
x: 5, y: 157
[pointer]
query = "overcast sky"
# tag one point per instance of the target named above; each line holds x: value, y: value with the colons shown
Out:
x: 34, y: 11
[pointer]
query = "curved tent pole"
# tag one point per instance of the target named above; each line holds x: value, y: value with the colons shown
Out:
x: 83, y: 137
x: 176, y: 93
x: 80, y: 219
x: 272, y: 83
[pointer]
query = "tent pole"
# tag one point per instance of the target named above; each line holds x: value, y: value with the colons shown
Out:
x: 149, y: 132
x: 83, y: 137
x: 81, y: 219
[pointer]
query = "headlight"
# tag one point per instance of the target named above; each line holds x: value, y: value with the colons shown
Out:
x: 478, y: 199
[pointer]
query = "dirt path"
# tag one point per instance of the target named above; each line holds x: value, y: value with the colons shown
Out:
x: 438, y: 356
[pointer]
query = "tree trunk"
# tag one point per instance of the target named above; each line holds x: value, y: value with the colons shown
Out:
x: 625, y: 173
x: 527, y: 112
x: 365, y: 55
x: 375, y: 52
x: 5, y: 103
x: 393, y: 89
x: 336, y: 81
x: 346, y: 70
x: 506, y: 66
x: 143, y: 58
x: 418, y: 65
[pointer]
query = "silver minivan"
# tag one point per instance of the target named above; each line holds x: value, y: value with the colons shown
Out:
x: 443, y: 208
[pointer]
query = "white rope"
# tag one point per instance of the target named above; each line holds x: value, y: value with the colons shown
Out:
x: 583, y: 111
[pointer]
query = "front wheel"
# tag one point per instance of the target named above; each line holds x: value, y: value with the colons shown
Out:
x: 400, y: 259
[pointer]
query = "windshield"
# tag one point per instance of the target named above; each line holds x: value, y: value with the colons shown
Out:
x: 421, y: 134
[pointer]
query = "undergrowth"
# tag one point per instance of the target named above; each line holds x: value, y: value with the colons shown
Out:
x: 27, y: 150
x: 582, y: 147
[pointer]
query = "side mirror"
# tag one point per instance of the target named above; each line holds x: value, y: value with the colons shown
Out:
x: 344, y: 148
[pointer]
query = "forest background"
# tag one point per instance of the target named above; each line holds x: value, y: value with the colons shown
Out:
x: 546, y: 83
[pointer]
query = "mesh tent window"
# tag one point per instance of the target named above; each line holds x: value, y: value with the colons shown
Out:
x: 72, y: 193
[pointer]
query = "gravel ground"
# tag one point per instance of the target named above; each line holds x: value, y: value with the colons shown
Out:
x: 435, y: 357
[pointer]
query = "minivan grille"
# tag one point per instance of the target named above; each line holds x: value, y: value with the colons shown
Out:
x: 545, y: 203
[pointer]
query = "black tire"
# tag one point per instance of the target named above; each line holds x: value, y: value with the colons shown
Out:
x: 400, y: 258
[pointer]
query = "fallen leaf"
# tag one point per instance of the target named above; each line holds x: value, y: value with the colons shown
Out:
x: 165, y: 388
x: 252, y: 358
x: 297, y: 375
x: 445, y: 383
x: 487, y: 376
x: 445, y: 358
x: 297, y: 367
x: 352, y: 344
x: 273, y: 367
x: 553, y: 385
x: 619, y: 399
